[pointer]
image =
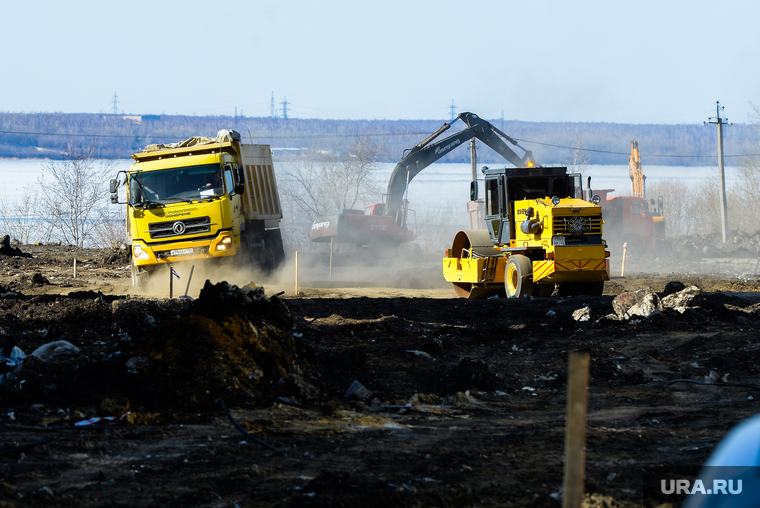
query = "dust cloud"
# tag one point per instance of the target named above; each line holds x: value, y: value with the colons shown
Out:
x: 406, y: 267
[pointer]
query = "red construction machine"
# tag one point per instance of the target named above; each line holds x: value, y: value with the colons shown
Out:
x: 633, y: 220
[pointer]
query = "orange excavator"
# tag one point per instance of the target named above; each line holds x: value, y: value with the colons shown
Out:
x: 633, y: 220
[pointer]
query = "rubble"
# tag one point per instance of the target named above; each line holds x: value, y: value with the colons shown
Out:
x: 480, y: 422
x: 642, y: 303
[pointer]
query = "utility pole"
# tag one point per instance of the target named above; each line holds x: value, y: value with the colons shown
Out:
x: 115, y: 104
x: 721, y: 121
x: 272, y: 111
x: 285, y: 108
x: 453, y: 110
x: 474, y: 159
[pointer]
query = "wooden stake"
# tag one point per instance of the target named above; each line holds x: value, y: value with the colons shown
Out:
x: 75, y: 268
x: 575, y: 435
x: 622, y: 270
x: 331, y: 254
x: 189, y: 279
x: 296, y: 274
x: 171, y: 282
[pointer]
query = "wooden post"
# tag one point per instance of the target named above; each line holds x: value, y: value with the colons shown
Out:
x: 189, y: 279
x: 75, y: 268
x: 171, y: 283
x: 331, y: 254
x: 575, y: 434
x: 622, y: 269
x: 296, y: 274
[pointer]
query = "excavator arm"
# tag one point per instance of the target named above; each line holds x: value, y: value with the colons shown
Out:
x: 638, y: 180
x: 426, y: 153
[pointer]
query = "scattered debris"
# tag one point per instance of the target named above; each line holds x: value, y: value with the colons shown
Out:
x: 358, y: 391
x: 582, y: 314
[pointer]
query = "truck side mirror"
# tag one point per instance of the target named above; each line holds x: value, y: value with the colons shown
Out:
x: 474, y: 190
x: 113, y: 185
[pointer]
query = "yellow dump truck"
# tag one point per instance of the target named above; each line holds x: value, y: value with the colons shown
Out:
x: 201, y: 199
x: 540, y: 235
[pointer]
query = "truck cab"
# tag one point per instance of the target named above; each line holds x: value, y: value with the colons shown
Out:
x: 201, y: 199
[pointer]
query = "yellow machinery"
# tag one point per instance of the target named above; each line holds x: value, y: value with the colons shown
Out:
x: 540, y: 234
x: 638, y: 180
x: 203, y: 198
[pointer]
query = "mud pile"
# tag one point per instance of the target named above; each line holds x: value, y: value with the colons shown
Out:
x: 234, y: 344
x: 739, y: 244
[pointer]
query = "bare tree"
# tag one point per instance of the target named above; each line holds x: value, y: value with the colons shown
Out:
x: 579, y: 161
x: 73, y: 193
x: 436, y: 227
x: 21, y: 218
x: 324, y: 181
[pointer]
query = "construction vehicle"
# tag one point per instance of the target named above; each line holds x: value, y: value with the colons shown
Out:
x: 540, y: 234
x: 385, y: 224
x: 633, y: 220
x: 201, y: 199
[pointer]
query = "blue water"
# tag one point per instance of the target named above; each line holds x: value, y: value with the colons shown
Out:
x: 438, y: 187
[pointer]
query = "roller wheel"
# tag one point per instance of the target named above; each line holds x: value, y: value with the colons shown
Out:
x: 518, y: 279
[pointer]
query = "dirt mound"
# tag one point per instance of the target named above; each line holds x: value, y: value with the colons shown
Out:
x: 234, y: 344
x: 231, y: 343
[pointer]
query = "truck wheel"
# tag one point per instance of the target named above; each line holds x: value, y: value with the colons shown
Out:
x: 139, y: 277
x: 518, y: 279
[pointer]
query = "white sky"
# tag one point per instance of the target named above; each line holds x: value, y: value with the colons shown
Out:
x: 588, y: 61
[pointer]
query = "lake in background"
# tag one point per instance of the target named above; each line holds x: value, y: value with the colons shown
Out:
x: 437, y: 187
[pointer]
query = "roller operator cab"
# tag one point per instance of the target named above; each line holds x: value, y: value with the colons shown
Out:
x: 540, y: 234
x: 201, y: 199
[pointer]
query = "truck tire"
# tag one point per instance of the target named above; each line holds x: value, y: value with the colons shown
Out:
x: 274, y: 246
x: 518, y: 277
x: 139, y: 277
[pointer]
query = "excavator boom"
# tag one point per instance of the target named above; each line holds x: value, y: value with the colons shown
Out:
x: 426, y: 153
x: 386, y: 225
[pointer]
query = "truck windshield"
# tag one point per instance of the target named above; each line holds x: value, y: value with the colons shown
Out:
x: 174, y: 185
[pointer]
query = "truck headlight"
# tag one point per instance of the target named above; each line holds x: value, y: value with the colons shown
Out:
x: 555, y: 200
x: 224, y: 244
x: 596, y: 199
x: 139, y: 253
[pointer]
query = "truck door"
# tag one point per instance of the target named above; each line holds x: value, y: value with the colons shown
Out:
x: 497, y: 209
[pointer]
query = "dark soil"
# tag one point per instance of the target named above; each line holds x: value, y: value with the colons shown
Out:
x: 457, y: 403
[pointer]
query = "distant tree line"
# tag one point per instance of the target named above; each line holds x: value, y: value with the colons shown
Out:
x: 52, y: 135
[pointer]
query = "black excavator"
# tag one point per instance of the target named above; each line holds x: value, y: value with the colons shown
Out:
x: 385, y: 224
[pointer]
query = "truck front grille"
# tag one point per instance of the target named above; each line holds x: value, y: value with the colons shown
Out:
x: 183, y: 227
x: 577, y: 225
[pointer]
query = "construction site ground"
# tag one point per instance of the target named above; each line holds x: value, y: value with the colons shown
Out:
x: 389, y: 393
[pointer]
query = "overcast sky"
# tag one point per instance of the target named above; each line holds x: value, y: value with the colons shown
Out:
x: 644, y: 61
